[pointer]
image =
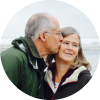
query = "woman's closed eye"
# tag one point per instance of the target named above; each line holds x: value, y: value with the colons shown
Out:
x: 65, y: 43
x: 74, y: 45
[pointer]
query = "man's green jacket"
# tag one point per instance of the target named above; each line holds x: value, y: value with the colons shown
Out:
x: 24, y: 67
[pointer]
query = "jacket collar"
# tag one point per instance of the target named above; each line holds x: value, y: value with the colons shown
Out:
x: 69, y: 77
x: 32, y: 47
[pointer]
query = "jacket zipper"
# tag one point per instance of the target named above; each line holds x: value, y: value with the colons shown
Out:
x: 41, y: 79
x: 39, y: 88
x: 52, y: 97
x: 55, y: 93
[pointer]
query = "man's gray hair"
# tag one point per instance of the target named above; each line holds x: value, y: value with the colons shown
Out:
x: 38, y: 23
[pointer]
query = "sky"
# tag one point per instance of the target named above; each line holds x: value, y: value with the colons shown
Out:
x: 67, y: 15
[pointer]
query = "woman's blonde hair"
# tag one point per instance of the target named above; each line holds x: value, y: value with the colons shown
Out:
x: 80, y: 59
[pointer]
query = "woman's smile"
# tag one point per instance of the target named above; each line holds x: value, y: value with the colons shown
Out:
x: 68, y: 54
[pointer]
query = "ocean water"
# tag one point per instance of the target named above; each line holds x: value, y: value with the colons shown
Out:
x: 91, y: 49
x: 93, y: 58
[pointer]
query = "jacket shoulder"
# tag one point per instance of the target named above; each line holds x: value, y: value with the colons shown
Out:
x: 84, y: 77
x: 13, y: 63
x: 13, y: 51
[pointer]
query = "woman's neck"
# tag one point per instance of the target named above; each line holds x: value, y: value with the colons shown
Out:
x: 61, y: 69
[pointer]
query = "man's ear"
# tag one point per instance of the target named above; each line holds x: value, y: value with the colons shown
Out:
x: 42, y: 36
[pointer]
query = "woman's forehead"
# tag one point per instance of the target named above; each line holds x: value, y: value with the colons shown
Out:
x: 71, y: 38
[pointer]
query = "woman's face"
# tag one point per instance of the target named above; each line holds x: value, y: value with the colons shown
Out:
x: 69, y: 48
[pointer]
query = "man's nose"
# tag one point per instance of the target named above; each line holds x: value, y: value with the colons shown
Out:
x: 61, y: 38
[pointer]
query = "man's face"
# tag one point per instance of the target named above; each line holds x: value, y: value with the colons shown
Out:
x: 54, y: 41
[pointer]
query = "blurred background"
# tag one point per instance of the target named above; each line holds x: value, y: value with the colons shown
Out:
x: 67, y: 15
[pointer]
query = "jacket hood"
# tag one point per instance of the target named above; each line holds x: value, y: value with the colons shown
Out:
x: 70, y: 77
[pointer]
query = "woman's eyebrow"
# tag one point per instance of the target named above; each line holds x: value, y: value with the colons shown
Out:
x: 75, y: 42
x: 66, y: 41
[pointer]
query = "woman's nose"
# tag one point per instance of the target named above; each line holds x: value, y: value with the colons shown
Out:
x: 70, y: 47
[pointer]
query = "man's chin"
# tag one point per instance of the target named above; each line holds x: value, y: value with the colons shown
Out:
x: 55, y: 51
x: 58, y: 50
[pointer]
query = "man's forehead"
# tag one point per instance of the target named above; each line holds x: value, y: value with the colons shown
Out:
x: 54, y: 20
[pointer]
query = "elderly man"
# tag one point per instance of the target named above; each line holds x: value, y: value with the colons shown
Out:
x: 24, y: 63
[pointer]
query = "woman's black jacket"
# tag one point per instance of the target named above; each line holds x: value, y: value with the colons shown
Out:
x: 73, y: 81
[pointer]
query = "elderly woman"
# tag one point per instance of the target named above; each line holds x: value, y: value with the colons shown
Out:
x: 70, y: 71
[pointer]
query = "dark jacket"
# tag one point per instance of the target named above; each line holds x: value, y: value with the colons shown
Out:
x: 24, y: 68
x: 72, y: 81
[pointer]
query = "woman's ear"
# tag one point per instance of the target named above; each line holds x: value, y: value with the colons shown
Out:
x: 42, y: 36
